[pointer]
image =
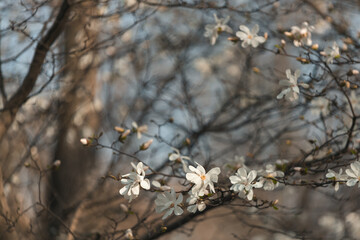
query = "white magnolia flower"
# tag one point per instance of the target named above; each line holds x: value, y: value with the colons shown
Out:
x: 331, y: 53
x: 337, y: 177
x: 301, y: 36
x: 212, y: 30
x: 244, y: 183
x: 201, y: 179
x: 195, y: 204
x: 292, y: 91
x: 234, y: 164
x: 133, y: 181
x: 250, y: 37
x: 320, y: 105
x: 129, y: 234
x: 178, y: 158
x: 139, y: 129
x: 269, y: 177
x: 167, y: 201
x: 354, y: 174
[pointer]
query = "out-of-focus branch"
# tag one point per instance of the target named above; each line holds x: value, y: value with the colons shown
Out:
x: 11, y: 107
x: 339, y: 28
x: 5, y: 232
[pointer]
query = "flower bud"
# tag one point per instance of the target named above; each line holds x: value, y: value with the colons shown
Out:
x: 129, y: 234
x: 315, y: 46
x: 256, y: 70
x: 283, y: 43
x: 146, y: 145
x: 124, y: 135
x: 57, y: 164
x: 119, y: 129
x: 288, y: 34
x: 233, y: 39
x: 352, y: 72
x: 85, y: 141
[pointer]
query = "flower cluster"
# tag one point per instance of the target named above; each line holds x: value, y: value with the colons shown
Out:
x: 247, y: 36
x: 301, y: 35
x: 244, y: 181
x: 269, y: 177
x: 133, y: 181
x: 198, y: 184
x: 351, y: 177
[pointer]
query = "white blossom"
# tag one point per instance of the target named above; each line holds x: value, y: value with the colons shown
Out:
x: 202, y: 180
x: 337, y: 177
x: 292, y: 91
x: 250, y: 37
x: 129, y: 234
x: 212, y: 30
x: 354, y: 174
x: 269, y: 177
x: 244, y: 183
x: 331, y: 53
x: 178, y: 158
x: 234, y: 164
x: 167, y: 201
x: 133, y: 181
x: 301, y: 36
x: 139, y: 129
x: 195, y: 203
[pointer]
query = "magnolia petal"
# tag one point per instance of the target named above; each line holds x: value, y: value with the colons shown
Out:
x: 168, y: 213
x: 192, y: 208
x: 245, y: 44
x: 283, y: 93
x: 242, y: 173
x: 123, y: 190
x: 241, y: 35
x: 250, y: 195
x: 252, y: 175
x: 255, y: 29
x: 201, y: 206
x: 254, y: 43
x: 351, y: 182
x: 244, y: 29
x: 136, y: 189
x: 178, y: 211
x: 179, y: 200
x: 145, y: 184
x: 350, y: 173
